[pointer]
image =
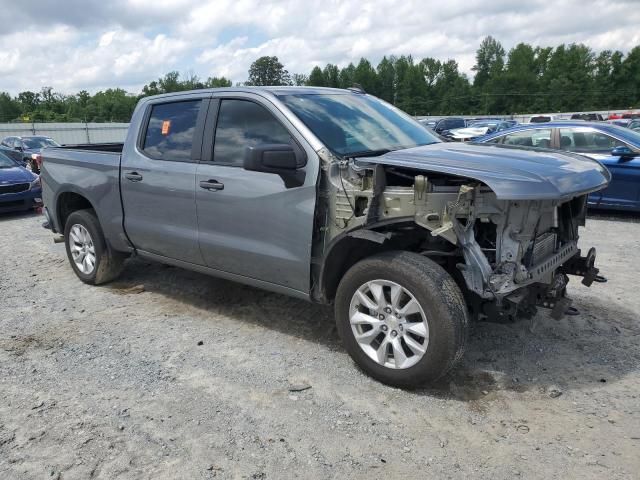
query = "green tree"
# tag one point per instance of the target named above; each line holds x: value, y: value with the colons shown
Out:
x: 332, y: 75
x: 631, y: 73
x: 386, y: 79
x: 520, y: 79
x: 217, y: 82
x: 9, y: 108
x: 366, y: 76
x: 346, y: 76
x: 268, y: 71
x: 489, y: 61
x: 299, y: 79
x: 317, y: 78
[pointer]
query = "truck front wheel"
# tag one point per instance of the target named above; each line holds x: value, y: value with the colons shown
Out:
x: 402, y: 318
x: 90, y: 257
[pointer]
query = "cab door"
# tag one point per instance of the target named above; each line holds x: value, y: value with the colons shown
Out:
x: 158, y: 173
x: 250, y: 223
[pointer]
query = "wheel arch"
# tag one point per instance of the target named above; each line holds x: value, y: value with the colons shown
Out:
x: 348, y: 248
x: 70, y: 201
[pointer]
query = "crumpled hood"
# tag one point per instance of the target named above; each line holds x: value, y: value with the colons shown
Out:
x: 512, y: 173
x: 16, y: 175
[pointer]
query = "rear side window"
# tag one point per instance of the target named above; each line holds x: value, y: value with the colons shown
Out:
x: 241, y: 124
x: 539, y: 138
x: 171, y: 129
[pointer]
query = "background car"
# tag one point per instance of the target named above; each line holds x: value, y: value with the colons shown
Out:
x: 634, y: 125
x: 475, y: 130
x: 19, y: 188
x: 589, y: 117
x: 449, y: 123
x: 26, y: 150
x: 616, y: 147
x: 621, y: 122
x: 428, y: 122
x: 542, y: 118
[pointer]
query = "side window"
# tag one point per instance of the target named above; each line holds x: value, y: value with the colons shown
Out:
x: 538, y: 138
x: 587, y: 140
x: 241, y: 124
x: 170, y: 130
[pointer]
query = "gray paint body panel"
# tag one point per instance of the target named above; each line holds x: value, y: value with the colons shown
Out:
x: 95, y: 176
x: 512, y: 173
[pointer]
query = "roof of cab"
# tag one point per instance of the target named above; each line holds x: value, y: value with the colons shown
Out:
x: 276, y: 90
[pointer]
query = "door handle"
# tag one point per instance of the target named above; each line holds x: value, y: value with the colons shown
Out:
x: 211, y: 185
x: 133, y: 176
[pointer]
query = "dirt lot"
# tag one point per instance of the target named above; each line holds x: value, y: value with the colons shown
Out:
x: 172, y: 374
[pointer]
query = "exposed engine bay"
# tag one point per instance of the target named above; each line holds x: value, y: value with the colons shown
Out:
x: 508, y: 256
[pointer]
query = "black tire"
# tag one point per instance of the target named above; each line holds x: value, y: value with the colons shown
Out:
x: 108, y: 264
x: 438, y: 295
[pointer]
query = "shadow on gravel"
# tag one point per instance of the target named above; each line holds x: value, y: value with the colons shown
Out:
x: 598, y: 346
x: 614, y: 215
x: 546, y: 356
x: 15, y: 215
x: 220, y: 297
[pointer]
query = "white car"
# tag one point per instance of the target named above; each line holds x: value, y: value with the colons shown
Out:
x: 477, y: 129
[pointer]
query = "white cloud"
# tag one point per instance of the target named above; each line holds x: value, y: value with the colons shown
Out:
x: 93, y: 44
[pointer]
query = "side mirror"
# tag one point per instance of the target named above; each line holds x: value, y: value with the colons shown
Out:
x: 18, y: 148
x: 281, y: 159
x: 623, y: 152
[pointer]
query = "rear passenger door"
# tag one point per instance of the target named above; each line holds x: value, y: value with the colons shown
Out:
x: 158, y: 179
x: 624, y: 188
x: 254, y: 224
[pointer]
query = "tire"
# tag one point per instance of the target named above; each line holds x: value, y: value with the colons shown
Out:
x: 441, y: 309
x: 107, y: 264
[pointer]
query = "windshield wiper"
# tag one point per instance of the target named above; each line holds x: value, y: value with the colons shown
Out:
x: 367, y: 153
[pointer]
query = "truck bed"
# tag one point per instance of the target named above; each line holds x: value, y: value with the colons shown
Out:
x: 93, y: 170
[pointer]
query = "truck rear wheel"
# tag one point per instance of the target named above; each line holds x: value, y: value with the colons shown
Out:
x: 90, y: 257
x: 402, y: 318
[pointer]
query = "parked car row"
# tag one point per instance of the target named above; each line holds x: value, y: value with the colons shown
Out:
x: 476, y: 129
x: 19, y: 188
x: 27, y: 150
x: 615, y: 143
x: 616, y: 147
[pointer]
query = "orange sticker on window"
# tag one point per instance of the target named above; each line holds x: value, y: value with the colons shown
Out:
x: 166, y: 125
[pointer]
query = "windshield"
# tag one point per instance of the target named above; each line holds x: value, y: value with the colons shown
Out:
x: 6, y: 162
x: 352, y: 124
x: 39, y: 142
x: 626, y: 134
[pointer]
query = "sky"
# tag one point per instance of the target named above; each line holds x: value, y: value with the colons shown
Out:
x: 74, y: 45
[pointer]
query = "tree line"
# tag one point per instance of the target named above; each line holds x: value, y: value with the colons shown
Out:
x: 111, y: 105
x: 525, y: 79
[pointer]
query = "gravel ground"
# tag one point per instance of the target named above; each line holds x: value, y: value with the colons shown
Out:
x: 171, y: 374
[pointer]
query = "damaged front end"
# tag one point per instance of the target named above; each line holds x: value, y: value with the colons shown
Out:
x: 510, y: 256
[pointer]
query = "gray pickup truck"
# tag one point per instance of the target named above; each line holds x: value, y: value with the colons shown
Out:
x: 333, y: 196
